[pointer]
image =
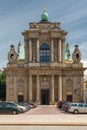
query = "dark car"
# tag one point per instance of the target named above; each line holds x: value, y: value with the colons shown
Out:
x: 6, y: 108
x: 23, y: 109
x: 32, y: 105
x: 25, y: 105
x: 60, y: 104
x: 66, y: 106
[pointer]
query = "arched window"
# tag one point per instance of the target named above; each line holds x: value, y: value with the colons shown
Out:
x: 44, y: 53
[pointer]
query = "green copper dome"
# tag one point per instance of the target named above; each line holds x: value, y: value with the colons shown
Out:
x: 44, y: 16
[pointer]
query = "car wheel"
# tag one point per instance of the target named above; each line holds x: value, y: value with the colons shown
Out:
x: 76, y: 111
x: 14, y: 112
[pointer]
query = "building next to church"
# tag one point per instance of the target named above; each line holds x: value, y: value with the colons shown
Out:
x: 43, y: 72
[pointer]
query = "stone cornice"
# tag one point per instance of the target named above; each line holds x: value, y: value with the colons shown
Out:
x: 44, y: 71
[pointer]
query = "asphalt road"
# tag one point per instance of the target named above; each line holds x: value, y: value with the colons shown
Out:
x: 42, y: 127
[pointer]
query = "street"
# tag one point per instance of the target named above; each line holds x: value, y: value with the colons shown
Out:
x: 44, y: 117
x: 23, y: 127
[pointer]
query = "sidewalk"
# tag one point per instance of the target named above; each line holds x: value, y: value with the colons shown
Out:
x: 44, y: 119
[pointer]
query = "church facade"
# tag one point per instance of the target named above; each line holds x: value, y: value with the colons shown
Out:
x: 44, y: 75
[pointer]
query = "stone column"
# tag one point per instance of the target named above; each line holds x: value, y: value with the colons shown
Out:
x: 63, y: 51
x: 59, y: 51
x: 30, y: 50
x: 52, y: 51
x: 74, y: 88
x: 26, y: 89
x: 52, y: 88
x: 30, y: 87
x: 38, y: 51
x: 15, y: 89
x: 81, y: 89
x: 37, y: 90
x: 60, y: 88
x: 11, y: 88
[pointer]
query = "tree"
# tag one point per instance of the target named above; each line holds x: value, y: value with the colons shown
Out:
x: 3, y: 86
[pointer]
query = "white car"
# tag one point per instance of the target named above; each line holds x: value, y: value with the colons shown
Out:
x: 77, y: 108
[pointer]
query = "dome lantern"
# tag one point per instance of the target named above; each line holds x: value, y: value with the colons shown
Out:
x: 44, y: 15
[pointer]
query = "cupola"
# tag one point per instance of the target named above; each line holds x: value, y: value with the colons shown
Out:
x: 44, y: 15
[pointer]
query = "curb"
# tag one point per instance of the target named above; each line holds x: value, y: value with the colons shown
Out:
x: 44, y: 124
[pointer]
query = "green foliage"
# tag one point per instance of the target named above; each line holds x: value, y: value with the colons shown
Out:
x: 3, y: 78
x: 2, y: 86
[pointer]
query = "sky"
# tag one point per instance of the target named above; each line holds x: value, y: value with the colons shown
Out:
x: 15, y: 16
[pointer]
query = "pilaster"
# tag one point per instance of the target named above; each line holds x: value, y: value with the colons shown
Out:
x: 30, y: 50
x: 37, y: 90
x: 63, y: 51
x: 52, y: 88
x: 52, y: 51
x: 30, y: 87
x: 15, y: 89
x: 60, y: 87
x: 38, y: 51
x: 60, y: 56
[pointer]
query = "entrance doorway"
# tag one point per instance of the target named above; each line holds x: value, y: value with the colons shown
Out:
x: 69, y: 98
x: 20, y: 98
x: 45, y: 96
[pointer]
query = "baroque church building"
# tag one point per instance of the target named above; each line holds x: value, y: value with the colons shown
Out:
x: 42, y: 71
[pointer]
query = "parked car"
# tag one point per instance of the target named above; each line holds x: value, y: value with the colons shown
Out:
x: 7, y: 108
x: 27, y: 107
x: 23, y: 109
x: 66, y: 106
x: 32, y: 105
x: 77, y: 108
x: 60, y: 104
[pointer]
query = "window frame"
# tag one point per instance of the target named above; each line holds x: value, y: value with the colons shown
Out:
x: 44, y: 53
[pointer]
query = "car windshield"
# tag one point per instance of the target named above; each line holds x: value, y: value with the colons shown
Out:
x: 73, y: 105
x: 14, y: 104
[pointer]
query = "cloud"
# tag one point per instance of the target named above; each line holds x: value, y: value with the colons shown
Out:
x: 16, y: 14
